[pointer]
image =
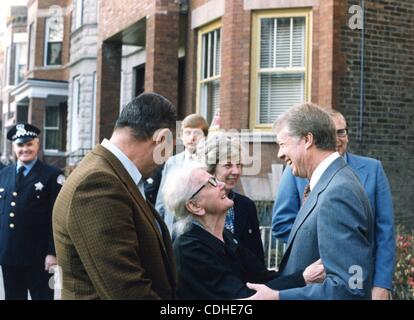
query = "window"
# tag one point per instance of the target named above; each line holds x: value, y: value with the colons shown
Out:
x: 53, y: 41
x: 209, y: 69
x: 74, y: 141
x: 53, y: 140
x: 78, y: 13
x: 20, y: 63
x: 280, y: 64
x: 93, y: 109
x: 8, y: 66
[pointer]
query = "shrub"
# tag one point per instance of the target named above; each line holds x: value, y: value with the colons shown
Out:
x: 403, y: 288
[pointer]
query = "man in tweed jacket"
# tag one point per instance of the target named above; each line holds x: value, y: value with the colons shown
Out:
x: 110, y: 242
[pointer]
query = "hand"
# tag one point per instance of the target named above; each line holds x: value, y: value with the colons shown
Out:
x: 50, y: 261
x: 380, y: 294
x: 263, y: 292
x: 314, y: 273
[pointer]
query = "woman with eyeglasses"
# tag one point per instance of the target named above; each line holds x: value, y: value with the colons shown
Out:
x: 222, y: 154
x: 211, y: 264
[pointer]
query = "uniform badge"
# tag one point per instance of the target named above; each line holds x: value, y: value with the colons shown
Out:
x: 61, y: 179
x: 39, y: 186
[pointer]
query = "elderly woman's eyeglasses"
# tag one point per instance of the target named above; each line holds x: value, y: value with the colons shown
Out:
x: 212, y: 180
x: 342, y: 132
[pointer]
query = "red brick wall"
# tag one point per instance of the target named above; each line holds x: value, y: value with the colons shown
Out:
x: 118, y: 15
x: 61, y: 73
x: 235, y: 71
x: 36, y: 117
x: 162, y: 43
x: 108, y: 84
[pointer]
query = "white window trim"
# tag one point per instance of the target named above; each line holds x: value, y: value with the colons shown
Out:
x: 79, y: 13
x: 201, y: 109
x: 76, y: 93
x: 46, y: 42
x: 93, y: 138
x: 45, y: 128
x: 16, y: 62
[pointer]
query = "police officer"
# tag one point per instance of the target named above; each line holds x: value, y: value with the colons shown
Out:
x: 28, y: 190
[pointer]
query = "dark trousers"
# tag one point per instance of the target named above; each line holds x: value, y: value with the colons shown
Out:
x: 19, y: 280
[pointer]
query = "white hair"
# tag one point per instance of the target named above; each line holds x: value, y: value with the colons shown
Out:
x: 177, y: 190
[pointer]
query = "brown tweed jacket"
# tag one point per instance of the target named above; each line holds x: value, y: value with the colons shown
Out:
x: 107, y: 237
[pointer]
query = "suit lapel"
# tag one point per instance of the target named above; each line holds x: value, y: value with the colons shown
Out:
x: 312, y: 200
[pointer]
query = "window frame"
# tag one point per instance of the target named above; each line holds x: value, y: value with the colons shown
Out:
x: 200, y: 33
x: 21, y: 48
x: 46, y: 42
x: 79, y: 7
x: 46, y: 129
x: 255, y: 59
x: 74, y: 111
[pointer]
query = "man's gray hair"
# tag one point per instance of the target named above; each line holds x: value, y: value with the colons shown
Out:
x: 308, y: 118
x: 177, y: 190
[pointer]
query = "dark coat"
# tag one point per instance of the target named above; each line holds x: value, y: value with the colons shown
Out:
x: 26, y: 214
x: 210, y: 269
x: 246, y: 224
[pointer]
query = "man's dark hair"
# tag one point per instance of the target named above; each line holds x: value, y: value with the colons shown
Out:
x: 146, y: 114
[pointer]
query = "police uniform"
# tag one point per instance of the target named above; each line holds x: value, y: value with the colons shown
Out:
x: 26, y: 236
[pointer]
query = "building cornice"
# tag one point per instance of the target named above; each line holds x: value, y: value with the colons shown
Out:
x: 34, y: 88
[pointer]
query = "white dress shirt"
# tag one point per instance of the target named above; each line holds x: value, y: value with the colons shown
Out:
x: 321, y: 168
x: 127, y: 163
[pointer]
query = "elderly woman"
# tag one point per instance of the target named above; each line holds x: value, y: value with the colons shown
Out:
x: 211, y: 264
x: 222, y: 154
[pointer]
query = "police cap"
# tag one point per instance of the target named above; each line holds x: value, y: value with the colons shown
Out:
x: 22, y: 132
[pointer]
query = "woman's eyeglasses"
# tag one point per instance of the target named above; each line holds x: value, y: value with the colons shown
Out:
x: 212, y: 180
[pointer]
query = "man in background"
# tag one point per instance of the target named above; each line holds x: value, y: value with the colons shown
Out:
x: 28, y: 190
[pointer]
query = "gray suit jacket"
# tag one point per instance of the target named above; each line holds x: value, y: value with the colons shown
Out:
x: 336, y: 225
x: 170, y: 165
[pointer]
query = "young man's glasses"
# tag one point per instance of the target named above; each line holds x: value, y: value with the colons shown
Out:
x: 342, y: 132
x: 212, y: 180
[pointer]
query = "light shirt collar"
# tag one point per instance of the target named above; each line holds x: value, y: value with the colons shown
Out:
x: 127, y: 163
x: 188, y: 155
x: 321, y: 168
x: 28, y: 166
x: 345, y: 156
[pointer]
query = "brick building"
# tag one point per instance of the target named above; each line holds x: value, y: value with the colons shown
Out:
x: 82, y: 79
x: 39, y: 94
x: 251, y: 59
x: 13, y: 68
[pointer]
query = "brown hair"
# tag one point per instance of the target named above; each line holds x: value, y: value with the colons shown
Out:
x: 195, y: 121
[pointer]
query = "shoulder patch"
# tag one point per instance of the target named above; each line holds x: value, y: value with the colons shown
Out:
x: 61, y: 179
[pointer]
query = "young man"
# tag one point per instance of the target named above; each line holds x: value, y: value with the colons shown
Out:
x: 194, y: 128
x: 28, y: 190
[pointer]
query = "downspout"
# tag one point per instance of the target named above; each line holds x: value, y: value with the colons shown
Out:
x: 362, y: 84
